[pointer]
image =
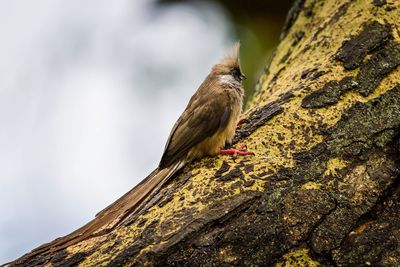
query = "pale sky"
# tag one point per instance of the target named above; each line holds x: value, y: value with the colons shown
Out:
x: 89, y: 91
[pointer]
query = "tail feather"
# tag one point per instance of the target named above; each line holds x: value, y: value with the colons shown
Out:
x: 114, y: 215
x: 146, y: 200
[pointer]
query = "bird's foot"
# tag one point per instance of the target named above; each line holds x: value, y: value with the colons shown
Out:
x: 234, y: 152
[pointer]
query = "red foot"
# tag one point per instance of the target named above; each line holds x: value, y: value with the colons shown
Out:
x: 242, y: 121
x: 234, y: 152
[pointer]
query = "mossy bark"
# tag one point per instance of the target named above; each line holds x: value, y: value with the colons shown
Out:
x: 323, y: 187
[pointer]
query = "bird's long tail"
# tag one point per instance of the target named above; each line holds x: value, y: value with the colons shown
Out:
x: 113, y: 215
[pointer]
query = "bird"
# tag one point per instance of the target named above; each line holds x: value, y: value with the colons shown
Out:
x: 205, y: 128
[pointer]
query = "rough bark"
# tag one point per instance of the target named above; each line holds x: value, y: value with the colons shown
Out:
x: 323, y: 187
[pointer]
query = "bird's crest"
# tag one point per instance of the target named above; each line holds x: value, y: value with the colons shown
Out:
x: 232, y: 57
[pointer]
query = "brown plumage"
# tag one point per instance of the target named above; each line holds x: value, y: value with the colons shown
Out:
x: 207, y: 125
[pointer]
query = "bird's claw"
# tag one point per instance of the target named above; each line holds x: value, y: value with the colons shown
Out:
x: 242, y: 121
x: 234, y: 152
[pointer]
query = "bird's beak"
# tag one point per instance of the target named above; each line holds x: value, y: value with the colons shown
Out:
x: 242, y: 77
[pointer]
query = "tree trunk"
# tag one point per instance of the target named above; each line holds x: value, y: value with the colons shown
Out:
x: 323, y: 186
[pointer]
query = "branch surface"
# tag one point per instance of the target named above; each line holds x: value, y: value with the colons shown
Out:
x: 323, y: 187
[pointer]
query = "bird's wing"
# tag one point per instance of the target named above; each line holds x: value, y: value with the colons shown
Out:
x: 205, y: 115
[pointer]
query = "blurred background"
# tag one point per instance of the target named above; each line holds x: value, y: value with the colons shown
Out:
x: 90, y: 90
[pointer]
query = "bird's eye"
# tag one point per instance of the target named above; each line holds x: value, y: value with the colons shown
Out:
x: 236, y: 73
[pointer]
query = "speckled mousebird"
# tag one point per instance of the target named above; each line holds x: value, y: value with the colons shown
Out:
x: 206, y: 126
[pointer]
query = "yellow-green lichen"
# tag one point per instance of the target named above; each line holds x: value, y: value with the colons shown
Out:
x: 297, y: 258
x: 334, y: 165
x: 311, y: 185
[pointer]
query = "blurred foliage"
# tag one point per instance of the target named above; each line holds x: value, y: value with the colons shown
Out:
x: 257, y: 24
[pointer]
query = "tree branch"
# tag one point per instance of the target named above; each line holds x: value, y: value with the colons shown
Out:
x: 323, y: 187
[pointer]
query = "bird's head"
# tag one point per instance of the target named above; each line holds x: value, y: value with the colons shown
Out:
x: 229, y: 66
